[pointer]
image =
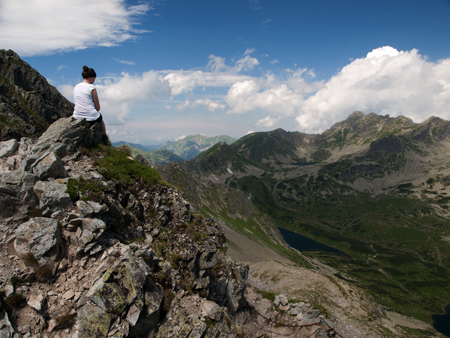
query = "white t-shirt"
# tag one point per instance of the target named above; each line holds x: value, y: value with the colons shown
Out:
x: 84, y: 103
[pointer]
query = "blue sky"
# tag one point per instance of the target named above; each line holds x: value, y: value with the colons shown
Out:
x: 171, y: 68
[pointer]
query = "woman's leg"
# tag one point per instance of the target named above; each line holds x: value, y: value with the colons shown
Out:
x: 102, y: 124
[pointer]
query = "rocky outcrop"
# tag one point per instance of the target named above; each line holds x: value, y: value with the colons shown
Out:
x: 130, y: 262
x: 28, y: 103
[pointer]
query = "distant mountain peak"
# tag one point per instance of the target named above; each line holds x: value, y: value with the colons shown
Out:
x: 191, y: 146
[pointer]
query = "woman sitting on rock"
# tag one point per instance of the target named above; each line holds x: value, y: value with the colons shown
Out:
x: 87, y: 105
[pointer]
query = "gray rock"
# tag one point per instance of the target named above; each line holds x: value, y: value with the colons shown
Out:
x: 6, y: 328
x: 107, y: 295
x: 92, y: 321
x: 229, y: 289
x: 66, y: 135
x: 283, y: 300
x: 36, y: 301
x: 276, y: 302
x: 12, y: 208
x: 133, y: 314
x: 19, y: 184
x: 8, y: 148
x: 52, y: 197
x: 49, y: 166
x: 176, y: 324
x: 150, y: 313
x: 312, y: 313
x: 198, y: 331
x: 134, y: 276
x: 91, y: 208
x: 92, y: 229
x: 210, y: 310
x: 295, y: 311
x: 41, y: 236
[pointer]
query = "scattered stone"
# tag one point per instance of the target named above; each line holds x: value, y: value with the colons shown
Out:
x: 36, y: 302
x: 69, y: 294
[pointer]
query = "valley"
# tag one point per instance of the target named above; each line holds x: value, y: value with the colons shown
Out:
x: 375, y: 187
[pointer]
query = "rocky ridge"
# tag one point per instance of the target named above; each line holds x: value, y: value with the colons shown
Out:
x: 130, y: 261
x: 28, y: 103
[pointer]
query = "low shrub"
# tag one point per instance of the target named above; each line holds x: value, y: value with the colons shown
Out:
x: 30, y: 260
x: 86, y: 190
x: 15, y: 281
x: 44, y: 273
x: 36, y: 212
x: 15, y: 301
x: 167, y: 301
x: 65, y: 320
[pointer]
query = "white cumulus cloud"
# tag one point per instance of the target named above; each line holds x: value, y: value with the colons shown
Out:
x: 386, y: 81
x: 179, y: 138
x: 249, y: 51
x: 211, y: 105
x: 267, y: 121
x: 117, y: 96
x: 35, y: 27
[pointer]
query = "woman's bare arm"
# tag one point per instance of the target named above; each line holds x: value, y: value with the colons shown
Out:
x: 95, y: 98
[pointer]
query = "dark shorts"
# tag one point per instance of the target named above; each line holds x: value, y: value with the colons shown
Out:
x: 100, y: 119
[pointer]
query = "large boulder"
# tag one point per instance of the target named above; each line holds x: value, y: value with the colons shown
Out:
x: 49, y: 166
x: 20, y: 185
x: 52, y: 197
x: 40, y: 236
x: 92, y: 229
x: 8, y: 148
x: 66, y: 136
x: 92, y: 321
x: 107, y: 294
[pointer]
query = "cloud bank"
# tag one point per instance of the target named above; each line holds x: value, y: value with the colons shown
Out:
x: 385, y: 81
x: 50, y: 26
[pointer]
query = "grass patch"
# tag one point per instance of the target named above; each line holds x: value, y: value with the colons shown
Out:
x: 268, y: 295
x: 86, y: 190
x: 116, y: 164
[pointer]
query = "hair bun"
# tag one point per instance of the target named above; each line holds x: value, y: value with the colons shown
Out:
x: 88, y: 72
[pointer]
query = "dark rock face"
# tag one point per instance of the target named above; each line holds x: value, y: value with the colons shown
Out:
x: 28, y: 103
x: 390, y: 144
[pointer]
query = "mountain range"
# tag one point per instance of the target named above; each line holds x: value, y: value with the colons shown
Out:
x: 374, y: 187
x: 184, y: 149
